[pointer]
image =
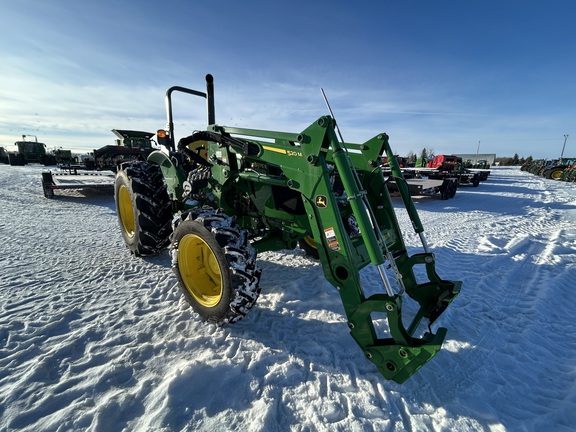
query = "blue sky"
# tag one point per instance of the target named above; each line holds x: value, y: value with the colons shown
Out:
x: 442, y: 75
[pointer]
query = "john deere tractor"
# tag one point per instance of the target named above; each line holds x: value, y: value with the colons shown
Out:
x: 219, y: 196
x: 30, y: 152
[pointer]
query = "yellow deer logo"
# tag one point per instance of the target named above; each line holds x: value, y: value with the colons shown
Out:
x: 321, y: 201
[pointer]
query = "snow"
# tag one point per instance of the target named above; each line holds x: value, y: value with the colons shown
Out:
x: 94, y: 339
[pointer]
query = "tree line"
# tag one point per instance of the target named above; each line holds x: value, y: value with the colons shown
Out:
x: 503, y: 161
x: 513, y: 161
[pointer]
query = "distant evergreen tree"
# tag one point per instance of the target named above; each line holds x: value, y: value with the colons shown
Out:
x: 513, y: 161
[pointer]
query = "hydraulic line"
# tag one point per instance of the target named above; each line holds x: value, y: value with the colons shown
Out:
x: 371, y: 217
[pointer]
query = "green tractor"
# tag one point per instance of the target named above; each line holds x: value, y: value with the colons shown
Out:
x: 30, y: 152
x: 130, y: 145
x: 221, y: 195
x: 63, y: 158
x: 569, y: 174
x: 555, y: 170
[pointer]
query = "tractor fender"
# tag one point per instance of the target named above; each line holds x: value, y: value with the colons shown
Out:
x: 174, y: 175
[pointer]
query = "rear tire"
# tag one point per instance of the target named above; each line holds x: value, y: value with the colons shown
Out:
x: 143, y: 207
x: 556, y: 174
x: 215, y: 266
x: 16, y: 159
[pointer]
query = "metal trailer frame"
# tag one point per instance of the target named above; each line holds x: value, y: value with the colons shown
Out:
x: 445, y: 189
x: 73, y: 179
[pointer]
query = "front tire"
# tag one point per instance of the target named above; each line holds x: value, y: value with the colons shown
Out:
x: 143, y: 207
x: 215, y: 266
x: 308, y: 245
x: 445, y: 193
x: 453, y: 187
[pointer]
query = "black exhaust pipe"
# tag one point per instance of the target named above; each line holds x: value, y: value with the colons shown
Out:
x: 210, y: 99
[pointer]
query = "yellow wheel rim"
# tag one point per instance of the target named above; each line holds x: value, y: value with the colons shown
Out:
x: 556, y: 174
x: 200, y: 270
x: 310, y: 241
x: 126, y: 211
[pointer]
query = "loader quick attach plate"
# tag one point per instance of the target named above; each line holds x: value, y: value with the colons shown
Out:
x: 401, y: 355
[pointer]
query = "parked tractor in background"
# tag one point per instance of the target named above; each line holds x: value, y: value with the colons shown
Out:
x: 130, y: 145
x: 554, y: 169
x: 479, y: 164
x: 63, y: 157
x: 233, y: 192
x: 30, y: 152
x: 569, y: 174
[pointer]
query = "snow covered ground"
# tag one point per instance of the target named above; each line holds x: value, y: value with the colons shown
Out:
x: 94, y: 339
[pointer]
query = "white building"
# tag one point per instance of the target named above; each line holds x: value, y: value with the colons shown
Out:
x: 474, y: 158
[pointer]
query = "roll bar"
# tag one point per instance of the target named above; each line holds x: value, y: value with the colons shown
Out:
x: 209, y: 96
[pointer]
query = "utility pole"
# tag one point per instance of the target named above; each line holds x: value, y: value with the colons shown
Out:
x: 564, y: 146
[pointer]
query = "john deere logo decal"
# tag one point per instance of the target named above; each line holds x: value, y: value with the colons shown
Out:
x: 321, y: 201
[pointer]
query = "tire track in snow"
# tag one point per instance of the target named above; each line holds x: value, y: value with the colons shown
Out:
x: 104, y: 341
x: 92, y: 353
x: 511, y: 310
x: 473, y: 259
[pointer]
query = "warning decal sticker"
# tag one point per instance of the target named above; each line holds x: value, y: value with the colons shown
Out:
x: 332, y: 240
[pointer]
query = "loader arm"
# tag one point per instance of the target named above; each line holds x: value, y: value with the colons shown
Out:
x: 307, y: 161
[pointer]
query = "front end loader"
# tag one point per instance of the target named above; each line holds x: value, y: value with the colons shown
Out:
x: 221, y: 195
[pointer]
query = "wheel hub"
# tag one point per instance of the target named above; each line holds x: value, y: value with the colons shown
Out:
x: 200, y: 270
x: 126, y: 211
